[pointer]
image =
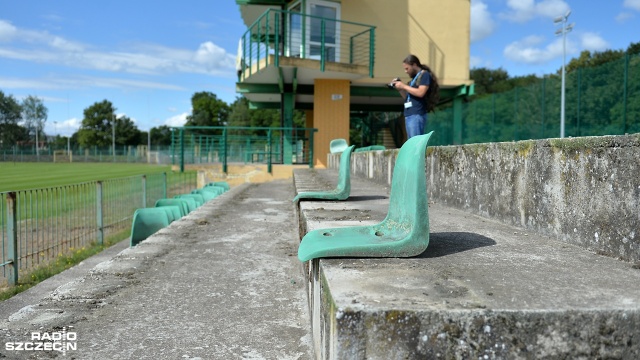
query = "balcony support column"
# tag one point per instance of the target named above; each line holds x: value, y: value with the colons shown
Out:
x: 288, y: 104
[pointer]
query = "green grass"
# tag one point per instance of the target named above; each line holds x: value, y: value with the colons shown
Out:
x: 25, y: 176
x: 63, y: 262
x: 117, y: 195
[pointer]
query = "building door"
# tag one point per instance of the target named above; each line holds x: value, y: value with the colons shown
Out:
x: 322, y: 22
x: 311, y: 22
x: 294, y: 46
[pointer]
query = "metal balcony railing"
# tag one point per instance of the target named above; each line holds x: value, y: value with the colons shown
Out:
x: 278, y: 33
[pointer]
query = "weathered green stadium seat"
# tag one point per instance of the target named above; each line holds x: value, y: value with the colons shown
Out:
x: 170, y: 214
x: 338, y: 145
x: 146, y: 222
x: 405, y: 230
x: 222, y: 184
x: 343, y: 189
x: 181, y: 203
x: 176, y: 210
x: 198, y: 198
x: 206, y: 194
x: 370, y: 148
x: 217, y: 188
x: 191, y: 201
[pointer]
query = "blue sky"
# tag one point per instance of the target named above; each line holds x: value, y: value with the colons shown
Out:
x: 519, y: 35
x: 149, y: 57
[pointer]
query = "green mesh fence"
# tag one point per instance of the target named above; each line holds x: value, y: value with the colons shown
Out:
x: 49, y: 222
x: 603, y: 100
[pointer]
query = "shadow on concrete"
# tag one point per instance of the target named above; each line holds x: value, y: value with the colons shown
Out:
x: 367, y: 197
x: 448, y: 243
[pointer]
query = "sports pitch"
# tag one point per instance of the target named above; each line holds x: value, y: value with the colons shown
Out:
x: 25, y: 176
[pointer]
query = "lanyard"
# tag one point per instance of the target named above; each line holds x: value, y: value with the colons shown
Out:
x: 411, y: 84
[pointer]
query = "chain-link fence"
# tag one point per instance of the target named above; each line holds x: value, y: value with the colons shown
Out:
x: 38, y: 225
x: 122, y: 154
x: 602, y: 100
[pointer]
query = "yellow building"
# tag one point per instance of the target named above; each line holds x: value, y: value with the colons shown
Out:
x: 333, y: 58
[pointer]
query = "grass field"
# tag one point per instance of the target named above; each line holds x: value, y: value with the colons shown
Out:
x: 25, y: 176
x: 56, y: 211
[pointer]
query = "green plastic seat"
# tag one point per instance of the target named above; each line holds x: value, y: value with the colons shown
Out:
x: 338, y: 145
x: 405, y: 230
x: 176, y: 210
x: 191, y: 201
x: 206, y: 194
x: 343, y: 189
x: 146, y: 222
x: 370, y: 148
x: 170, y: 214
x: 180, y: 203
x: 222, y: 184
x: 217, y: 188
x: 200, y: 200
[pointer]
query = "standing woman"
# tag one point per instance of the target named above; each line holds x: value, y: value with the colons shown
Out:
x: 421, y: 94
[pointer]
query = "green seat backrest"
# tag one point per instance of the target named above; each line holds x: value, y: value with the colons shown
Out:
x: 146, y: 222
x: 182, y: 205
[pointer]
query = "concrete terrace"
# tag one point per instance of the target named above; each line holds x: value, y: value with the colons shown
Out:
x: 224, y: 281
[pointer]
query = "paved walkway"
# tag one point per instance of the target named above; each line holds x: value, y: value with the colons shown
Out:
x: 222, y: 283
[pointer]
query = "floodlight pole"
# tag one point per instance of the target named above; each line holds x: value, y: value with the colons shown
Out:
x: 563, y: 31
x: 113, y: 137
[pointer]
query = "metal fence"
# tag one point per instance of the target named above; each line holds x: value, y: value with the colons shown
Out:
x: 602, y: 100
x: 224, y: 144
x: 38, y: 225
x: 122, y: 154
x: 293, y: 34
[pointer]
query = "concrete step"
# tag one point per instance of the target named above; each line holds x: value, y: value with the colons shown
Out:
x: 481, y: 290
x: 222, y: 282
x: 387, y: 138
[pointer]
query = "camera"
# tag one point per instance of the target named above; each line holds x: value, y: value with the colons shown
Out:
x: 391, y: 85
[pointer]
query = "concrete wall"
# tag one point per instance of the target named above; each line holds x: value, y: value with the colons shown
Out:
x: 584, y: 191
x: 239, y: 174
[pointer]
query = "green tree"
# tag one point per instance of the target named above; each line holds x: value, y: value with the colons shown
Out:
x: 208, y: 110
x: 127, y: 133
x: 161, y: 136
x: 488, y: 81
x: 634, y: 48
x: 59, y: 142
x: 10, y: 115
x: 239, y: 114
x: 34, y: 114
x: 97, y: 125
x: 100, y: 127
x: 242, y: 115
x: 588, y: 59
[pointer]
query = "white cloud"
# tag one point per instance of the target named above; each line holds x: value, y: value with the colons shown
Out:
x: 632, y: 4
x: 84, y: 82
x: 213, y: 56
x: 177, y: 120
x: 530, y: 51
x: 593, y: 42
x: 524, y: 10
x: 11, y: 83
x: 475, y: 62
x: 624, y: 16
x: 482, y: 24
x: 7, y: 31
x: 59, y: 43
x: 63, y: 128
x: 42, y: 47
